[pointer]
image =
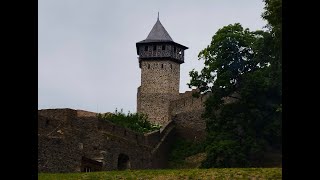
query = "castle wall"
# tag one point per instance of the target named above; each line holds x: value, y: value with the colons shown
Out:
x: 159, y: 85
x: 186, y: 113
x: 63, y: 144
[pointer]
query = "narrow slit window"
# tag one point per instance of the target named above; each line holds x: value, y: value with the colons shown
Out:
x: 154, y: 48
x: 162, y: 66
x: 174, y: 49
x: 148, y: 66
x: 163, y: 47
x: 146, y: 48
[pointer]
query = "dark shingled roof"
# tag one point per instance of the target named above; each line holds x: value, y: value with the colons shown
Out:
x: 158, y: 33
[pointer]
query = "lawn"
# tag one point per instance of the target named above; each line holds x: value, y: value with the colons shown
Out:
x: 172, y: 174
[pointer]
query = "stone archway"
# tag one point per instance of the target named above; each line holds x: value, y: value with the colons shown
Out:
x: 90, y: 165
x: 123, y: 162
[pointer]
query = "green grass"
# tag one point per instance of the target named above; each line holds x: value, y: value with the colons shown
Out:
x: 164, y: 174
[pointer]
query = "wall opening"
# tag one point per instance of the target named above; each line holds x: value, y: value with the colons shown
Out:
x: 90, y: 165
x: 47, y: 123
x: 162, y: 66
x: 123, y: 162
x: 146, y: 48
x: 148, y: 66
x: 163, y: 47
x: 154, y: 48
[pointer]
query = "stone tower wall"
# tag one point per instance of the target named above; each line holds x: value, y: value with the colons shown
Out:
x: 159, y: 85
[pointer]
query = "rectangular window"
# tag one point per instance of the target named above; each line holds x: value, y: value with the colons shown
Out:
x: 154, y: 48
x: 146, y: 48
x: 163, y: 47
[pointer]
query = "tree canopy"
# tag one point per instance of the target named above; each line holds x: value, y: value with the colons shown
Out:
x: 245, y: 65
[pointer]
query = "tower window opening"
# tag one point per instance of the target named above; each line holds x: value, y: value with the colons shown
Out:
x: 162, y: 66
x: 146, y: 48
x: 180, y: 52
x: 154, y: 48
x: 47, y: 123
x: 174, y: 49
x: 171, y: 66
x: 163, y: 47
x: 148, y: 66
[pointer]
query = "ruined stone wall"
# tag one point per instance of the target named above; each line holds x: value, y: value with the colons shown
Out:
x: 160, y: 152
x: 63, y: 144
x: 159, y: 85
x: 186, y: 113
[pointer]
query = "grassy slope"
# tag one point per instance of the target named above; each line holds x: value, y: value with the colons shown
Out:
x: 223, y: 173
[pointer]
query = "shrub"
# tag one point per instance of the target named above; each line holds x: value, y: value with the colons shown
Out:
x: 137, y: 122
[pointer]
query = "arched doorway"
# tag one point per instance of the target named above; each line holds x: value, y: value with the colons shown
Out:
x: 123, y: 162
x: 89, y: 165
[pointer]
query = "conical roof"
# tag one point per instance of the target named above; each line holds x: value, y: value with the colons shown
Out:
x: 159, y: 33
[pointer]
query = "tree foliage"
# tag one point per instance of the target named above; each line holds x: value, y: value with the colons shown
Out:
x: 134, y: 121
x: 246, y: 64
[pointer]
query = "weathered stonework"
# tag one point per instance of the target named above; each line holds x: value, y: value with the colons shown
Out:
x: 186, y: 112
x: 159, y: 86
x: 74, y: 141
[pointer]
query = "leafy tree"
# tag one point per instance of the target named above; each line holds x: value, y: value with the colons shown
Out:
x: 247, y: 66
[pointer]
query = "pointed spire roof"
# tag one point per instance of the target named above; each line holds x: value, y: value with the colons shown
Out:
x: 159, y: 33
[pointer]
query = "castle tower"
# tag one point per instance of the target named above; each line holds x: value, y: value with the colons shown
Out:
x: 159, y: 60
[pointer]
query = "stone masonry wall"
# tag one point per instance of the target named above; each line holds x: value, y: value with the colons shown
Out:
x: 64, y: 142
x: 186, y: 113
x: 159, y: 85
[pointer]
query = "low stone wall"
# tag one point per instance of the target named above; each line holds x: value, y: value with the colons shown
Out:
x: 71, y: 136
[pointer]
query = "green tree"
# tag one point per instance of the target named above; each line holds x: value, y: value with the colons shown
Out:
x: 245, y: 65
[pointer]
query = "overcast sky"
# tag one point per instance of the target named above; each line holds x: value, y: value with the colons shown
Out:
x: 87, y: 55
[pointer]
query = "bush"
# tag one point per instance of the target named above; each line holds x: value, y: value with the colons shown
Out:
x: 181, y: 149
x: 134, y: 121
